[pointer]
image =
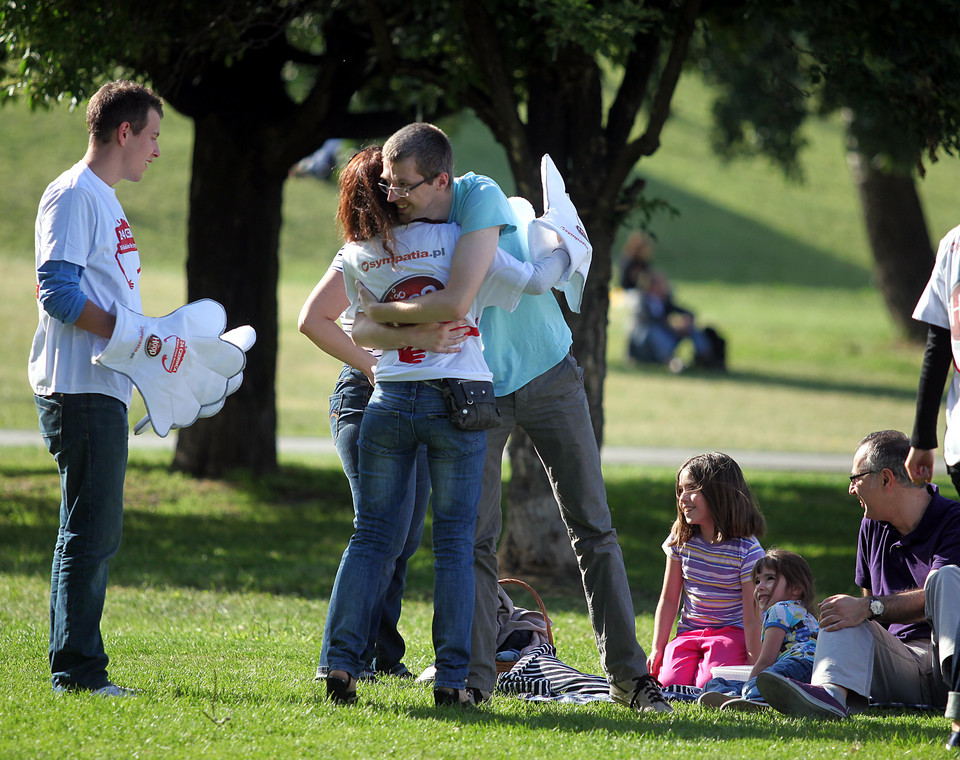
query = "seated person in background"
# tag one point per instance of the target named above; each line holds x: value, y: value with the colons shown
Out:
x: 635, y: 261
x: 321, y: 163
x: 661, y: 325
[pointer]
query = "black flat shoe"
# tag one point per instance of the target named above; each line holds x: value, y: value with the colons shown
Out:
x: 445, y: 697
x: 341, y: 691
x: 954, y: 741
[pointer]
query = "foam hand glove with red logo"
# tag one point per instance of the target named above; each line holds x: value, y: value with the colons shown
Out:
x: 560, y: 220
x: 243, y: 337
x: 179, y: 362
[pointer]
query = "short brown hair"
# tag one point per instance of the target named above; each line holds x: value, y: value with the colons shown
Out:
x: 426, y: 143
x: 117, y: 102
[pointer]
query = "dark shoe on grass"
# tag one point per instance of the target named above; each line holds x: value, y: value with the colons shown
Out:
x: 799, y: 699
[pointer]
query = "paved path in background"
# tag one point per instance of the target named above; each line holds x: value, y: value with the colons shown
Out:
x: 639, y: 455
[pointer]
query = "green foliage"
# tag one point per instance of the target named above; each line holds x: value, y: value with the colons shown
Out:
x: 58, y: 51
x: 606, y: 29
x: 762, y: 95
x: 885, y: 61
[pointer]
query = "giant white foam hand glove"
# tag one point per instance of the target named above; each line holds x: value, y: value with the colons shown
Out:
x: 561, y: 221
x: 242, y: 337
x: 179, y: 362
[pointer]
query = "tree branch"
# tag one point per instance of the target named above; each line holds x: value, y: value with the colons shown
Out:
x: 660, y: 111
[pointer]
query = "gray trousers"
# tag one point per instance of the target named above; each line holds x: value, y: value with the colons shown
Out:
x: 869, y: 662
x: 552, y: 409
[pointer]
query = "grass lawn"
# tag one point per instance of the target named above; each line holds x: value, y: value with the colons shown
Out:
x: 216, y: 606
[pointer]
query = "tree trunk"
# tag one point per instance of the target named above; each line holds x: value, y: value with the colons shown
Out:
x: 897, y: 231
x: 535, y: 543
x: 236, y: 263
x: 562, y: 109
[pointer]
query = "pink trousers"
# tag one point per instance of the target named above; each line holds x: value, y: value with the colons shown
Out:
x: 689, y: 659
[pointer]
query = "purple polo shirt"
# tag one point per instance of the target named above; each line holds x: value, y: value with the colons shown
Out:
x: 888, y: 563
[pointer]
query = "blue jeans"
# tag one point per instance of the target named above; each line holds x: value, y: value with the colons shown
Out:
x: 797, y: 668
x: 87, y: 435
x: 385, y: 648
x: 398, y: 419
x: 657, y: 343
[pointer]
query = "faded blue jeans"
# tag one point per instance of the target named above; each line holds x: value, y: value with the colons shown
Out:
x: 385, y: 648
x: 87, y: 435
x: 398, y: 419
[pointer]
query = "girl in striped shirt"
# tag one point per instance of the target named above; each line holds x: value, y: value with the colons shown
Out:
x: 711, y: 550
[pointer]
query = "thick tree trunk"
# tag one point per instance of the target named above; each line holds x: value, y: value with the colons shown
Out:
x: 898, y: 236
x: 236, y: 263
x: 535, y: 541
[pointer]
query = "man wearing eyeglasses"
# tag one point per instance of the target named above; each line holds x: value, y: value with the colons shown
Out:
x: 539, y: 388
x: 894, y: 644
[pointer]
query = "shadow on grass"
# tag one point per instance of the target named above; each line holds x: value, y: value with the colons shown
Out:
x: 767, y: 380
x: 868, y: 390
x: 691, y: 723
x: 278, y: 534
x: 284, y: 533
x: 752, y: 253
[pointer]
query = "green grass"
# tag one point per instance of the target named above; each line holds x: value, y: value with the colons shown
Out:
x: 216, y: 607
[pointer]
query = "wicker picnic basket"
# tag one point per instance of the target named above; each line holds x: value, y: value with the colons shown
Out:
x: 503, y: 667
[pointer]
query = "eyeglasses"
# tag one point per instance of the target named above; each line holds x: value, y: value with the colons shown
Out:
x: 402, y: 192
x: 855, y: 478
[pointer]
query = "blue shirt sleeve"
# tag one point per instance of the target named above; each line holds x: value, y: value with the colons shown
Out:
x: 59, y: 290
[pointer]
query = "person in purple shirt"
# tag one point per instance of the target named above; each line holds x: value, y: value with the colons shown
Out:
x: 896, y: 642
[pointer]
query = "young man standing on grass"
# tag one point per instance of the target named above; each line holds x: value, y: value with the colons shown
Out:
x: 539, y: 388
x: 895, y: 643
x: 87, y: 267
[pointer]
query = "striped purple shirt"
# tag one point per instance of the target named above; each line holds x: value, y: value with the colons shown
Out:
x: 713, y: 578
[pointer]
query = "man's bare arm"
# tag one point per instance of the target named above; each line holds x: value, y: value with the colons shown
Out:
x: 471, y: 261
x: 95, y: 320
x: 435, y: 337
x: 843, y: 611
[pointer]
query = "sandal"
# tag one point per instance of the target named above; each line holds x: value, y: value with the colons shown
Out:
x: 341, y: 687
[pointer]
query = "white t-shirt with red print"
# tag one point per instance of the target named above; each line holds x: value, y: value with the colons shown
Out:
x: 80, y: 221
x: 424, y: 254
x: 939, y: 305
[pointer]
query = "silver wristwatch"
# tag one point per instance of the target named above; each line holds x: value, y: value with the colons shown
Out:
x: 876, y: 607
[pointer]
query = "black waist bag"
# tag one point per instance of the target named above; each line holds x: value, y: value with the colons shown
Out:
x: 472, y: 403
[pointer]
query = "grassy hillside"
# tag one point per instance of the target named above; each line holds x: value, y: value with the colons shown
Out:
x: 783, y: 270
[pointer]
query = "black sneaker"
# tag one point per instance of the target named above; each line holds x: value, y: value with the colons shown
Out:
x: 446, y: 697
x: 641, y: 694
